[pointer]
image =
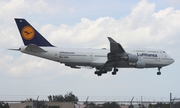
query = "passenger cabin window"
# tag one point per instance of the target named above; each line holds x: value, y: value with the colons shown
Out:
x: 140, y: 51
x: 152, y: 51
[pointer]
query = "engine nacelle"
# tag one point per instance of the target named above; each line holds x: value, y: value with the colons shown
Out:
x: 139, y: 64
x: 130, y: 58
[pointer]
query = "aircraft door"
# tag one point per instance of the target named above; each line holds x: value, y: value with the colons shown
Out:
x: 159, y: 57
x: 91, y: 56
x: 139, y: 57
x: 56, y: 57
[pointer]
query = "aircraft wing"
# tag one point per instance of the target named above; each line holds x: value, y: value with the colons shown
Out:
x: 115, y: 47
x: 115, y: 50
x: 110, y: 63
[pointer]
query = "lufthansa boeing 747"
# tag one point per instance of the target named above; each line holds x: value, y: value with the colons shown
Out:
x: 103, y: 60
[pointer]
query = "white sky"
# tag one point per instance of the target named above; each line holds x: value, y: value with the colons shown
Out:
x: 87, y: 24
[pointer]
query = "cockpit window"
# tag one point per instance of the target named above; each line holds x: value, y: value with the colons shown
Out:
x: 164, y: 52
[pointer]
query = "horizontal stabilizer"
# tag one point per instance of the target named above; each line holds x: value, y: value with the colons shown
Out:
x: 34, y: 48
x: 14, y: 49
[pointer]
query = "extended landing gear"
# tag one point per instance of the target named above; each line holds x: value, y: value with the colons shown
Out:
x: 99, y: 73
x: 159, y: 73
x: 114, y: 71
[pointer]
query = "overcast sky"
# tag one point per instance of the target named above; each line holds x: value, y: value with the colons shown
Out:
x: 87, y: 24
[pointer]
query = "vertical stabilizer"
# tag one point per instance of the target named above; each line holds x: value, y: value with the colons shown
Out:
x: 29, y: 34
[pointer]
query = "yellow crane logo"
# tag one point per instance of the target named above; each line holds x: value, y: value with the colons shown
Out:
x: 27, y: 33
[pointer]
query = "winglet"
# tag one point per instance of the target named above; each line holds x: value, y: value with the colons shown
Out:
x: 111, y: 40
x: 115, y: 47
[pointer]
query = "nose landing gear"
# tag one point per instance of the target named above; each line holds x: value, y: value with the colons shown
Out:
x: 159, y: 73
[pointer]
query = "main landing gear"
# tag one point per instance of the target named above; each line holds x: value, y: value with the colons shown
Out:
x: 99, y: 73
x: 114, y: 71
x: 159, y: 73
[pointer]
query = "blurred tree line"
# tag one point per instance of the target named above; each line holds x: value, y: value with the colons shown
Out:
x: 164, y: 105
x: 4, y: 105
x: 160, y: 105
x: 69, y: 97
x: 116, y: 105
x: 104, y: 105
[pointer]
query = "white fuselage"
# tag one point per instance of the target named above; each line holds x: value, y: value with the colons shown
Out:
x: 97, y: 57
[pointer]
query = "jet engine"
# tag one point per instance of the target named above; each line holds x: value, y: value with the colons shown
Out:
x: 139, y: 64
x: 130, y: 58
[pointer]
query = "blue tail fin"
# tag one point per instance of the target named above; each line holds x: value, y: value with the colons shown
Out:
x: 29, y: 34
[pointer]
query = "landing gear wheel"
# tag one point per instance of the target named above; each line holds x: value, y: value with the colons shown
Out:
x: 116, y: 70
x: 158, y: 73
x: 113, y: 73
x: 99, y: 74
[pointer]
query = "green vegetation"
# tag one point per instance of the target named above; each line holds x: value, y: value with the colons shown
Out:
x: 69, y: 97
x: 4, y: 105
x: 159, y: 105
x: 105, y: 105
x: 164, y: 105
